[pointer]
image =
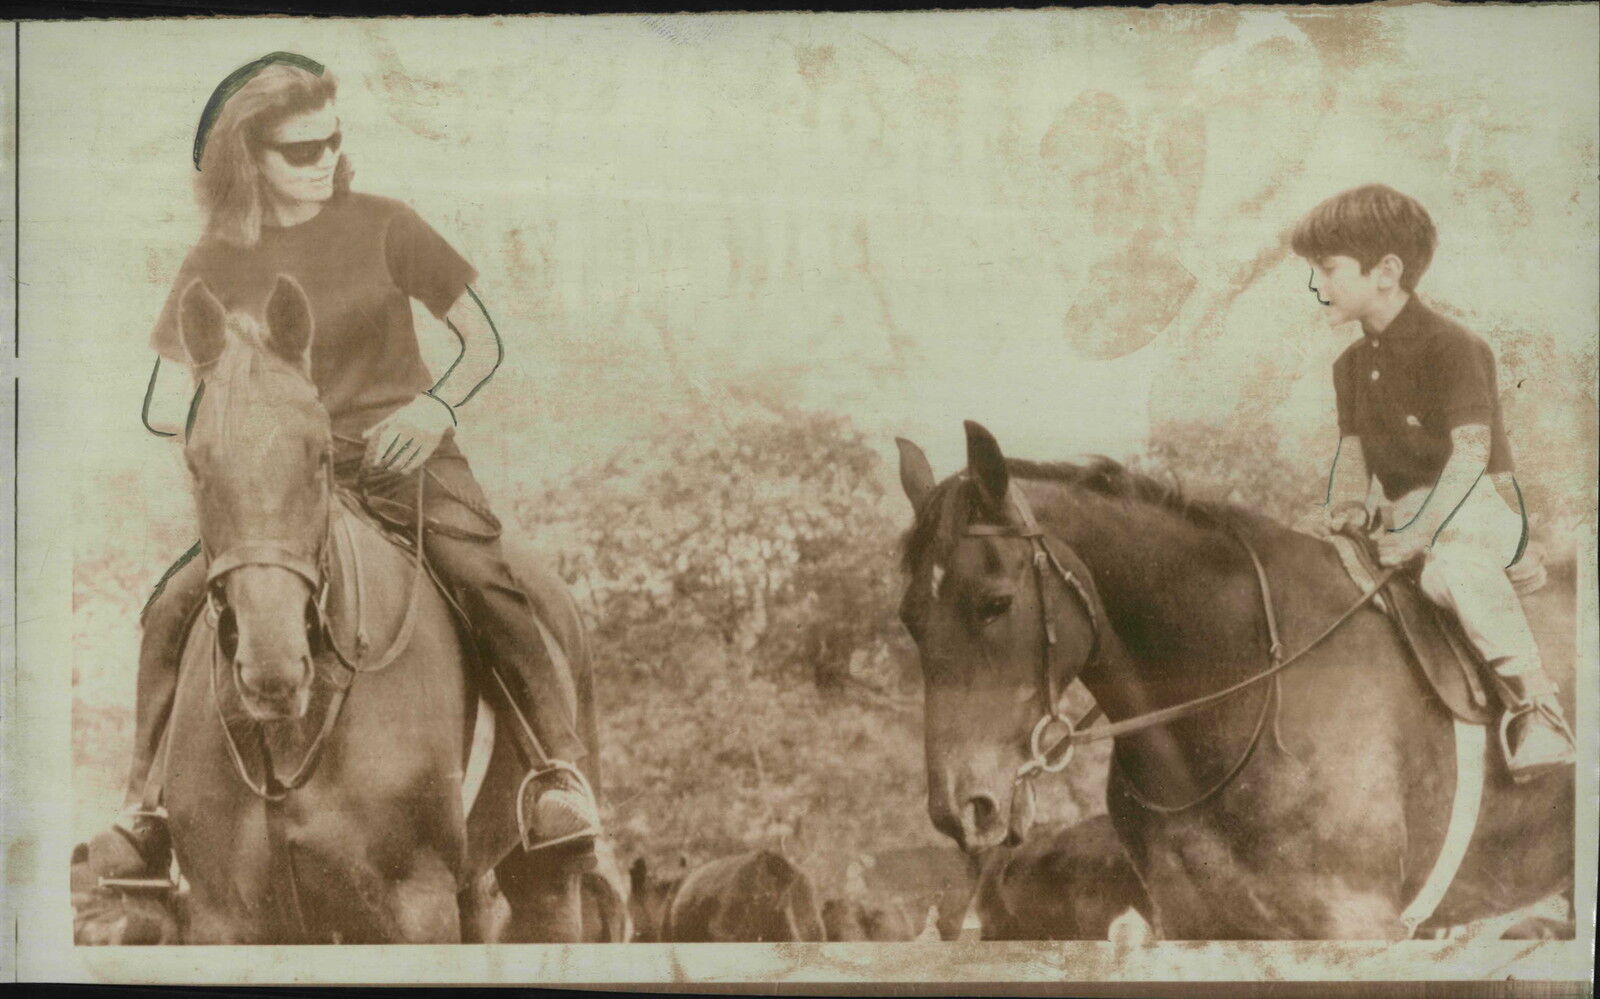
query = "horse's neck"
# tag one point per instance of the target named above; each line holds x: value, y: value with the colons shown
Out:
x: 1181, y: 600
x: 1184, y: 608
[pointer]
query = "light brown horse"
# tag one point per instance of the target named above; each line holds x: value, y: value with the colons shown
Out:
x: 1313, y: 807
x: 295, y: 818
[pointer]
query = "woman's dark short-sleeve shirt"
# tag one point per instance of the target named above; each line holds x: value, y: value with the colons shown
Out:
x: 1403, y: 390
x: 360, y: 260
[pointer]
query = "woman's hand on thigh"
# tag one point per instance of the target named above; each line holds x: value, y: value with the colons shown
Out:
x: 408, y: 436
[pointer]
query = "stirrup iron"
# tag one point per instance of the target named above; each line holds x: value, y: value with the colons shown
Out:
x: 524, y: 804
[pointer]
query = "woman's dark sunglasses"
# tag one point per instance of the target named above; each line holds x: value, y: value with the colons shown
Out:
x: 303, y: 154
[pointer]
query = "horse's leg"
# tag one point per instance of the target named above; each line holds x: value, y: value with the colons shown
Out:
x: 544, y: 894
x: 481, y: 918
x: 209, y: 922
x: 1203, y: 887
x: 423, y: 904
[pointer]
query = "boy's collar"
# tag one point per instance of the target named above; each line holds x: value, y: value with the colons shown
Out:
x: 1403, y: 323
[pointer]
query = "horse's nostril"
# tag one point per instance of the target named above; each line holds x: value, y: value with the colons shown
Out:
x: 274, y: 684
x: 981, y: 812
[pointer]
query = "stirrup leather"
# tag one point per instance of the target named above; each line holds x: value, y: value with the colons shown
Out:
x: 525, y: 804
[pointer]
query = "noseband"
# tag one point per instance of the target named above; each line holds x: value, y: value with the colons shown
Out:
x: 1040, y: 759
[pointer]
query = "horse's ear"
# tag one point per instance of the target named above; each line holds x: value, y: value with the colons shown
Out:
x: 638, y: 875
x: 986, y: 466
x: 202, y: 324
x: 289, y: 321
x: 916, y: 475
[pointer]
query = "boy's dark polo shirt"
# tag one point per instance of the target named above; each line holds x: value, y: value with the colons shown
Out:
x: 1403, y: 390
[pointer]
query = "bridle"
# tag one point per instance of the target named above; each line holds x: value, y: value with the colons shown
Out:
x: 281, y: 554
x: 1054, y: 757
x: 317, y: 571
x: 1027, y: 527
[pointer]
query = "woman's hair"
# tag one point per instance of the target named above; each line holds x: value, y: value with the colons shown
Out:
x: 229, y: 184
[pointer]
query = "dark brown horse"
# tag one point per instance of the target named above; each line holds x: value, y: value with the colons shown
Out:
x: 754, y: 897
x: 851, y: 919
x: 1316, y: 805
x: 296, y: 819
x: 1070, y: 883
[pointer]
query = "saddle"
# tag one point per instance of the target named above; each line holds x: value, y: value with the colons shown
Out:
x: 1433, y: 637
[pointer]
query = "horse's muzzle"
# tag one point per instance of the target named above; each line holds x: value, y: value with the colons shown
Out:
x: 280, y: 692
x: 983, y: 824
x: 981, y: 819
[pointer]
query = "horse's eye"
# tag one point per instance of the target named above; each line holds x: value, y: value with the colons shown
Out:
x: 993, y: 607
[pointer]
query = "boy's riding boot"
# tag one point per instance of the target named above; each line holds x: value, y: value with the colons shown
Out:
x: 137, y: 845
x: 1533, y: 732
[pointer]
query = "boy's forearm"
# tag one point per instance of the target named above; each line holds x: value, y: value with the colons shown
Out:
x: 1348, y: 481
x: 1469, y: 459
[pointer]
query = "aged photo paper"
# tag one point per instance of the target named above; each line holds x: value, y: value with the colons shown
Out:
x: 863, y: 404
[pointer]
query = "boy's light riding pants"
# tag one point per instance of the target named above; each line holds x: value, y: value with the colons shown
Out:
x: 1465, y: 571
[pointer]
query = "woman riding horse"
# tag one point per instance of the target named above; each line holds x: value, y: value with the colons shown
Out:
x: 275, y: 191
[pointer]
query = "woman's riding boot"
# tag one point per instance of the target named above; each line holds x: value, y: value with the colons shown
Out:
x: 562, y: 809
x: 1533, y: 731
x: 137, y: 844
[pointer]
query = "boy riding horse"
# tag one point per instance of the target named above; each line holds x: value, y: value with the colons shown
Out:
x: 1419, y: 411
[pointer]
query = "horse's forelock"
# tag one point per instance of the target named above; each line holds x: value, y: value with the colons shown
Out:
x: 248, y: 373
x: 923, y: 537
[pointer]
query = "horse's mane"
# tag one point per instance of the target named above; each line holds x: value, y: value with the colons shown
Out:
x: 1099, y: 475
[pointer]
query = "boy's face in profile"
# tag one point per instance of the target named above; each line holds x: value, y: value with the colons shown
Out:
x: 1344, y: 291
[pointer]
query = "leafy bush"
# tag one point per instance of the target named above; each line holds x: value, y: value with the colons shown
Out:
x: 767, y: 541
x: 1238, y: 463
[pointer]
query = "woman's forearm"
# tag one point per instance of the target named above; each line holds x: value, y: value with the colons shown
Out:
x: 481, y: 351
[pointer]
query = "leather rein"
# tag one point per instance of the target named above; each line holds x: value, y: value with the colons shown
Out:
x: 1053, y: 758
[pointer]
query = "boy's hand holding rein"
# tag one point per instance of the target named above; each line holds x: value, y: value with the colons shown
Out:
x: 1335, y: 518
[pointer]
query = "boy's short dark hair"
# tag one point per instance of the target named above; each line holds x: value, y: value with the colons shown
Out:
x: 1368, y: 223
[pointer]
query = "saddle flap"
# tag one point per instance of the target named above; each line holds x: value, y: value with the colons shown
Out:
x: 1438, y: 648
